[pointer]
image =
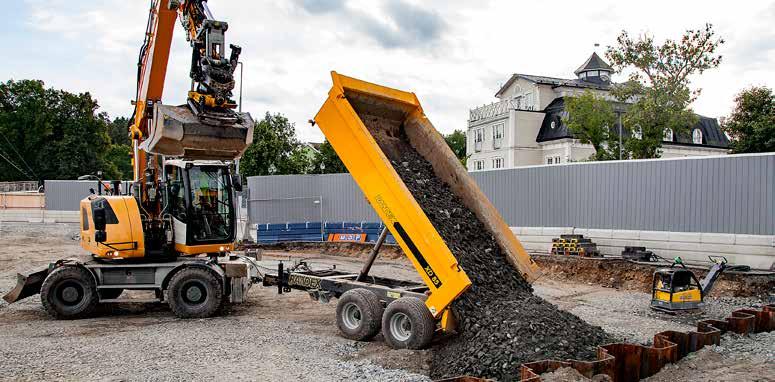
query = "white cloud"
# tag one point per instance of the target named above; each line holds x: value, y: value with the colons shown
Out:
x: 454, y: 54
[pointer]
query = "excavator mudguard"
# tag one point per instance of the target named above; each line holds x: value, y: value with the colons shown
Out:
x: 177, y: 132
x: 26, y: 285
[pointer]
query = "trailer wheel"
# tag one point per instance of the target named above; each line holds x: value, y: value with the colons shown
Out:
x: 408, y: 324
x: 358, y: 314
x: 194, y: 293
x: 69, y: 293
x: 110, y: 294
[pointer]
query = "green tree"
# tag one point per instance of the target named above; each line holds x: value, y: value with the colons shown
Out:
x: 457, y: 142
x: 752, y: 123
x: 658, y: 85
x: 118, y: 130
x: 590, y: 119
x: 50, y: 134
x: 327, y: 161
x: 275, y: 149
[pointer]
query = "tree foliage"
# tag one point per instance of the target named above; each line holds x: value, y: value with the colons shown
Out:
x: 327, y: 161
x: 457, y: 142
x: 275, y: 149
x: 52, y: 134
x: 658, y: 84
x: 590, y: 119
x: 752, y: 123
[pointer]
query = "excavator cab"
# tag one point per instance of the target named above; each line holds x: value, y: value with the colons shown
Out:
x: 200, y: 198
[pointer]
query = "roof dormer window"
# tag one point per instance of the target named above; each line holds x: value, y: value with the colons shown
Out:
x: 697, y: 137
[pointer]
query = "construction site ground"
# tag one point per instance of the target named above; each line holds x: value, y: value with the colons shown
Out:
x: 289, y: 337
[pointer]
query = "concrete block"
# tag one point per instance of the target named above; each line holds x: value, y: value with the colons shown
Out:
x: 763, y: 240
x: 556, y: 231
x: 535, y: 239
x: 581, y: 231
x: 599, y: 233
x: 717, y: 238
x: 535, y: 231
x: 685, y: 246
x: 687, y: 237
x: 755, y: 250
x: 625, y: 234
x: 652, y: 245
x: 614, y: 242
x: 654, y: 235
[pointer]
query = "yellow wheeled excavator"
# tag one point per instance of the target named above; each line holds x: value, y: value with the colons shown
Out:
x: 174, y: 232
x: 181, y: 205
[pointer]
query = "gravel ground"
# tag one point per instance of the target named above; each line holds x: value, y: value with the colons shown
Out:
x: 272, y: 338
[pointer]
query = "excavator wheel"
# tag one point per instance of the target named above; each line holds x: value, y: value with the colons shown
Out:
x: 69, y: 293
x: 408, y: 324
x: 358, y: 314
x: 195, y: 293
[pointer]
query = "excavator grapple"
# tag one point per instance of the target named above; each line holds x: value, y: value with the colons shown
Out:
x: 177, y: 132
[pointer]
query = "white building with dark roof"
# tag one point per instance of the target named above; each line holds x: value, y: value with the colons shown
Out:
x: 524, y: 127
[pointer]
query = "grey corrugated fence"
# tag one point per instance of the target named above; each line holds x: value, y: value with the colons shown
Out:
x: 731, y: 194
x: 65, y: 195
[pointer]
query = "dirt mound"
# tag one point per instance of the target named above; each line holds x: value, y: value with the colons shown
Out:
x: 501, y: 323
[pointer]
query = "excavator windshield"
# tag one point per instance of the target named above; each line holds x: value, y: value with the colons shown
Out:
x: 211, y: 209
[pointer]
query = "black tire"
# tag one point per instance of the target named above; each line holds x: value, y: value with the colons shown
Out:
x: 110, y: 294
x: 408, y: 324
x: 69, y: 293
x: 195, y: 293
x: 359, y: 314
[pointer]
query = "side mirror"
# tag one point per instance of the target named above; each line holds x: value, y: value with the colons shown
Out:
x: 236, y: 182
x: 99, y: 218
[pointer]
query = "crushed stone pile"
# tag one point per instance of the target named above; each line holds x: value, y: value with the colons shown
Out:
x: 501, y: 323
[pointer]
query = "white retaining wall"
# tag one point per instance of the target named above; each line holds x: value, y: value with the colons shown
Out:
x: 756, y: 251
x: 38, y: 216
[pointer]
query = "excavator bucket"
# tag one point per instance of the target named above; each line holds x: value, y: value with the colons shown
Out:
x: 349, y: 104
x: 177, y: 132
x: 26, y: 285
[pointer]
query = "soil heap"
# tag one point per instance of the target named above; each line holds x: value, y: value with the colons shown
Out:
x: 501, y: 323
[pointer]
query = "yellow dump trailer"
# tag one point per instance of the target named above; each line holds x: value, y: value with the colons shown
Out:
x: 340, y: 119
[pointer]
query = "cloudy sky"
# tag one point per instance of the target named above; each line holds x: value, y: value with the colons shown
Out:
x: 453, y: 53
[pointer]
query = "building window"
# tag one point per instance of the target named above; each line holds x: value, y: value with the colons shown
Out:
x: 557, y: 160
x: 668, y: 135
x: 478, y: 139
x: 478, y: 165
x: 497, y: 162
x: 549, y: 160
x: 497, y: 135
x: 697, y: 137
x: 529, y: 101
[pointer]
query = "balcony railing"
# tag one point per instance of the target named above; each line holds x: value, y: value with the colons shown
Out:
x: 497, y: 109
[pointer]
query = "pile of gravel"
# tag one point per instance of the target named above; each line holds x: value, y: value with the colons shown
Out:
x: 501, y: 323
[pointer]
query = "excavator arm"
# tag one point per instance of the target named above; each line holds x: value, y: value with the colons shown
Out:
x: 207, y: 127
